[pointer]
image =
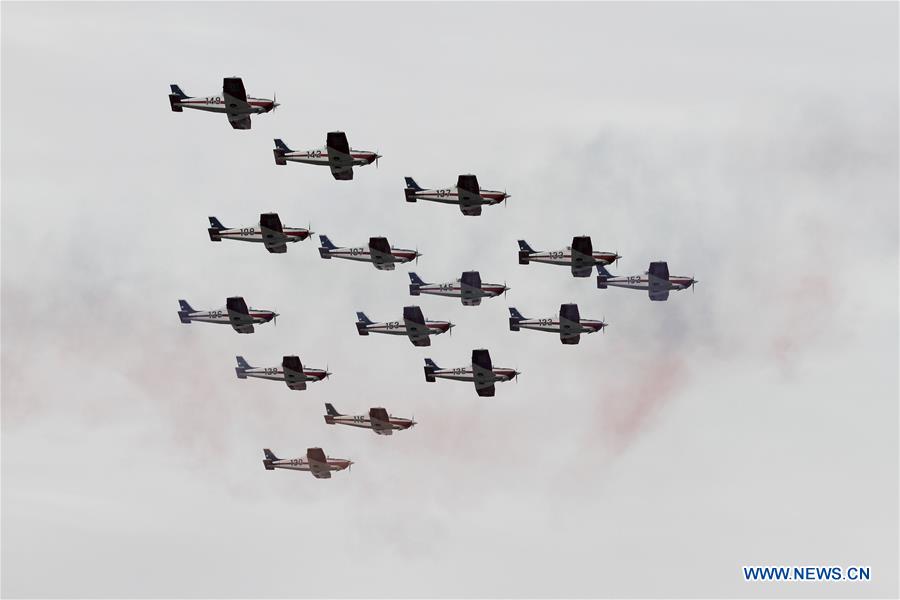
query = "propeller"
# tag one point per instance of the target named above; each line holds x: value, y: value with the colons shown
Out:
x: 605, y: 325
x: 274, y: 101
x: 327, y: 372
x: 450, y: 331
x: 417, y: 250
x: 377, y: 156
x: 274, y: 317
x: 694, y: 282
x: 505, y: 289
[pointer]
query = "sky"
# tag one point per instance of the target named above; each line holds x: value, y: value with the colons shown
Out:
x: 752, y: 421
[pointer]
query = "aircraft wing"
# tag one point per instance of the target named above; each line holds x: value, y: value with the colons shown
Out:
x: 484, y: 389
x: 239, y: 315
x: 483, y: 370
x: 415, y: 326
x: 272, y: 233
x: 318, y: 464
x: 380, y: 421
x: 658, y: 279
x: 582, y: 256
x: 381, y: 254
x: 339, y: 158
x: 293, y: 373
x: 239, y: 121
x: 468, y: 190
x: 569, y: 324
x: 473, y: 211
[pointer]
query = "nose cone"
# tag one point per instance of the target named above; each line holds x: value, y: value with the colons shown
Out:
x: 271, y: 316
x: 374, y: 157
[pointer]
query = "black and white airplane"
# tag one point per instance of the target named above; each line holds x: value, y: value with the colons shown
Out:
x: 467, y: 194
x: 233, y: 101
x: 268, y: 231
x: 235, y: 313
x: 568, y: 324
x: 481, y: 371
x: 580, y: 256
x: 337, y: 155
x: 656, y: 281
x: 379, y: 252
x: 315, y: 462
x: 378, y: 420
x: 291, y: 372
x: 414, y: 325
x: 467, y: 288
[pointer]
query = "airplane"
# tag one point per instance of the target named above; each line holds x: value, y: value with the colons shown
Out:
x: 481, y: 371
x: 315, y: 462
x: 236, y: 313
x: 291, y: 371
x: 467, y: 194
x: 269, y: 231
x: 414, y: 325
x: 382, y: 255
x: 234, y: 102
x: 467, y: 288
x: 337, y: 154
x: 580, y: 256
x: 378, y: 420
x: 655, y: 280
x: 568, y: 324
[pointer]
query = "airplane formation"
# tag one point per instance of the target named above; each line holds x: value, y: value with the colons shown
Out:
x: 580, y: 257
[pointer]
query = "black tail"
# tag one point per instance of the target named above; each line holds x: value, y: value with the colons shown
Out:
x: 430, y: 368
x: 176, y: 91
x: 215, y: 226
x: 280, y: 149
x: 269, y: 457
x: 331, y: 410
x: 186, y: 310
x: 415, y: 283
x: 175, y: 98
x: 525, y: 252
x: 602, y: 277
x: 514, y: 317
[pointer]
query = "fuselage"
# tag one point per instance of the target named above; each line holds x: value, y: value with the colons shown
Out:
x: 364, y: 421
x: 468, y: 374
x: 361, y: 253
x: 454, y: 289
x: 217, y: 104
x: 320, y: 157
x: 399, y: 327
x: 451, y: 196
x: 277, y: 373
x: 642, y: 282
x: 564, y: 257
x: 553, y: 325
x: 221, y: 316
x: 302, y: 464
x: 254, y: 234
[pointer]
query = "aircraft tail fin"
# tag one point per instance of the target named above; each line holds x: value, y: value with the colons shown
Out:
x: 186, y: 310
x: 175, y: 98
x: 280, y: 149
x: 242, y: 366
x: 602, y: 277
x: 325, y: 247
x: 411, y: 188
x: 361, y: 322
x: 525, y: 252
x: 331, y: 413
x: 430, y: 368
x: 269, y: 457
x: 514, y: 318
x: 215, y: 226
x: 415, y: 284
